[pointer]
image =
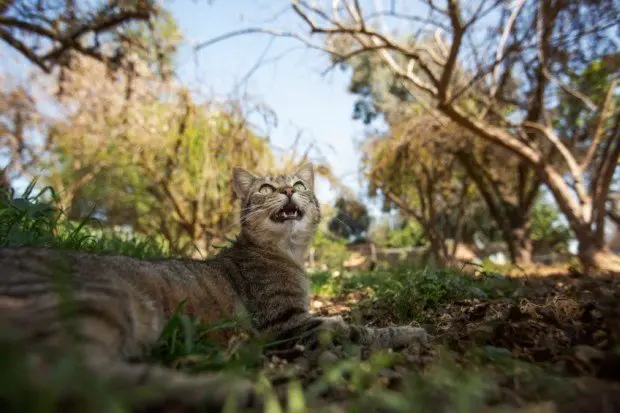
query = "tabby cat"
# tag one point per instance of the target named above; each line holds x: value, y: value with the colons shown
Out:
x: 121, y: 303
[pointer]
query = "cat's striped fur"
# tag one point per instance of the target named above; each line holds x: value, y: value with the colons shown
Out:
x: 121, y: 304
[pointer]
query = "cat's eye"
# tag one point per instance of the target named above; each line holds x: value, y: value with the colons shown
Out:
x: 299, y: 186
x: 266, y: 189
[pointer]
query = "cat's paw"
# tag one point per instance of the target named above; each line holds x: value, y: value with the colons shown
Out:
x: 331, y: 331
x: 417, y: 334
x: 406, y: 336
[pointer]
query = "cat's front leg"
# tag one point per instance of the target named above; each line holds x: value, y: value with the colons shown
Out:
x: 377, y: 338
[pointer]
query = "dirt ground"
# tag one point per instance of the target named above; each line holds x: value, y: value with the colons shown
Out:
x: 551, y: 345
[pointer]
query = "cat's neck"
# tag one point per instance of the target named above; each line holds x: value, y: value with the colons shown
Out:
x: 293, y: 247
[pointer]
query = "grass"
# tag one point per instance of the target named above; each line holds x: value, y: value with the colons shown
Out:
x: 457, y: 374
x: 33, y: 219
x: 404, y: 293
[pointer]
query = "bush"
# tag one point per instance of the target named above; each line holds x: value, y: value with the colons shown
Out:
x: 548, y: 230
x: 409, y: 235
x: 329, y: 251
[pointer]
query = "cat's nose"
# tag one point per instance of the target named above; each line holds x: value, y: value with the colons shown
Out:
x: 288, y: 191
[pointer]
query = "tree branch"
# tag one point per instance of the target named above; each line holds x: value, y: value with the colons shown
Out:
x: 457, y: 37
x: 499, y: 55
x: 23, y: 49
x: 602, y: 180
x: 606, y: 109
x: 573, y: 167
x: 63, y: 40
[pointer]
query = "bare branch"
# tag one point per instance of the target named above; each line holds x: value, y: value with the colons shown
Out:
x: 606, y: 109
x: 499, y: 55
x: 457, y: 36
x: 258, y: 30
x: 570, y: 90
x: 573, y: 167
x: 23, y: 49
x: 402, y: 16
x: 66, y: 36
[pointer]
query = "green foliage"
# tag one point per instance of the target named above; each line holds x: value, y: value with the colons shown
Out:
x: 548, y: 230
x: 410, y: 234
x: 329, y: 251
x: 405, y: 293
x: 35, y: 219
x: 183, y: 344
x: 351, y: 220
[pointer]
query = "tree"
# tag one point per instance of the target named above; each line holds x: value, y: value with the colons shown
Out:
x: 507, y: 184
x: 422, y: 179
x: 155, y: 160
x: 48, y: 32
x: 19, y: 118
x: 537, y: 46
x: 54, y: 36
x: 509, y: 201
x: 351, y: 220
x: 407, y: 233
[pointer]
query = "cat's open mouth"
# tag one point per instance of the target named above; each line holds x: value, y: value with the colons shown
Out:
x: 287, y: 213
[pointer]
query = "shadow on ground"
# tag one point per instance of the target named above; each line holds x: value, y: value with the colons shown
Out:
x: 548, y: 344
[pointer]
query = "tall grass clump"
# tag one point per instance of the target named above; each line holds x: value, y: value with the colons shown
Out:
x: 34, y: 219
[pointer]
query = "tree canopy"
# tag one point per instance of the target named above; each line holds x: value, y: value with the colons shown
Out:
x: 536, y: 48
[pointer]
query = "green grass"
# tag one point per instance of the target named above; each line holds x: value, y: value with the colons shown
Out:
x: 33, y: 219
x: 459, y: 383
x: 406, y: 293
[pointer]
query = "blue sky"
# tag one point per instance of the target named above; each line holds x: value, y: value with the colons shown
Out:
x: 292, y: 83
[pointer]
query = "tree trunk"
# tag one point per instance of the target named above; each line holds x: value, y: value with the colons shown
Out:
x: 513, y: 220
x: 590, y: 255
x: 436, y: 252
x: 5, y: 185
x: 594, y: 256
x: 519, y: 245
x: 599, y: 260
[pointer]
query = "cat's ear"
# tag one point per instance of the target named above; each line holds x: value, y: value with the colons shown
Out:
x: 242, y: 181
x: 306, y: 172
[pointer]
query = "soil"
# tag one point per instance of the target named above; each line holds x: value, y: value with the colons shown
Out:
x: 560, y: 334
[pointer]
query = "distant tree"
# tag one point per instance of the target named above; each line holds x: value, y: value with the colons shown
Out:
x: 536, y: 49
x: 422, y: 180
x: 548, y: 230
x: 351, y: 220
x: 410, y: 234
x: 56, y: 37
x: 19, y: 121
x: 155, y: 161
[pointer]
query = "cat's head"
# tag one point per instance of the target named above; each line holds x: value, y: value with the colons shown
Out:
x: 279, y: 210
